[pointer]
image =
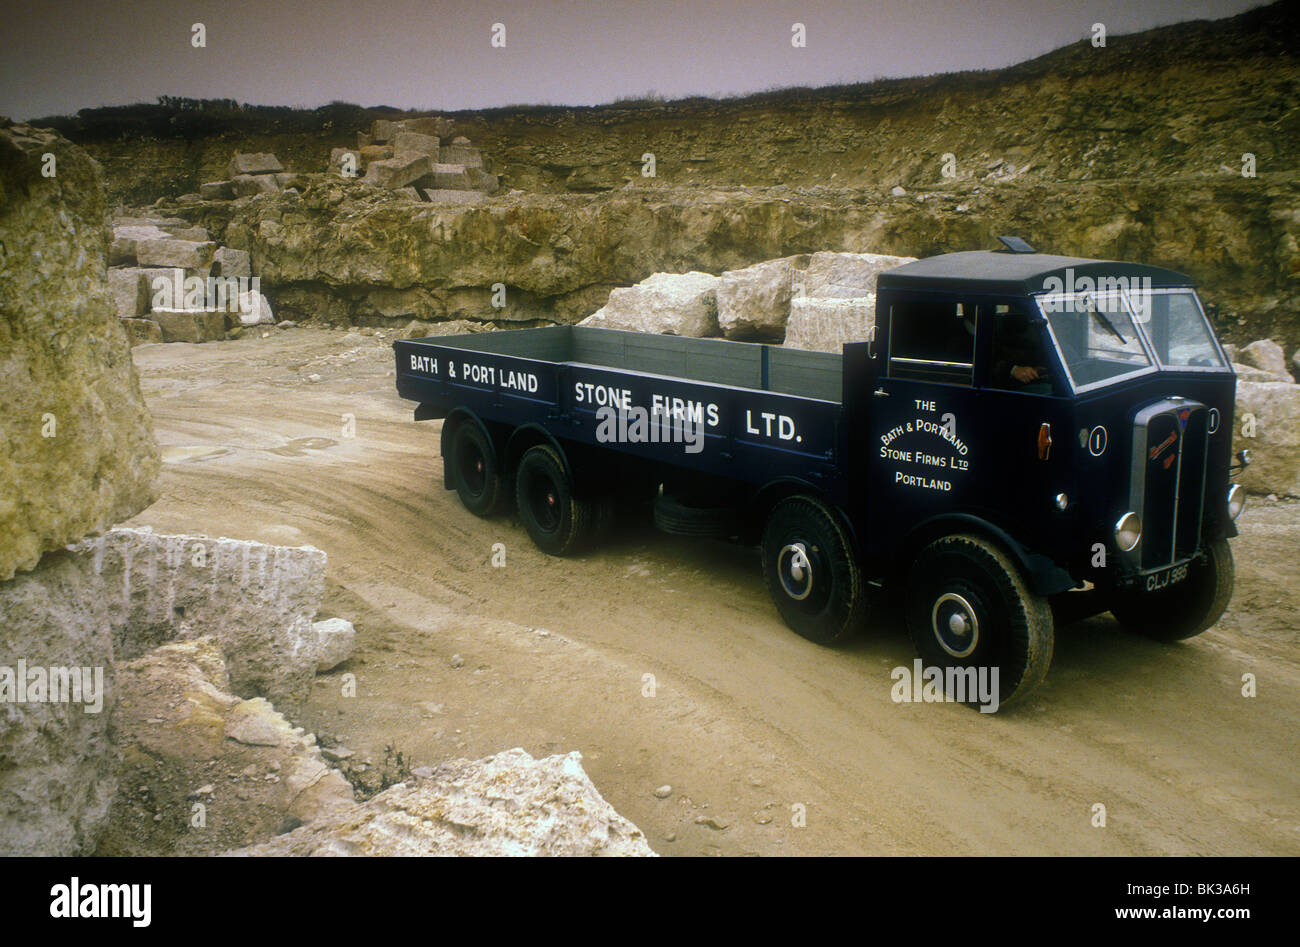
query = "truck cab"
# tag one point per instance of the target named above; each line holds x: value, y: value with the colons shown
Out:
x: 1074, y: 415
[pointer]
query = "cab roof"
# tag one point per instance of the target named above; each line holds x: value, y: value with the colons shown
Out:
x: 1000, y: 271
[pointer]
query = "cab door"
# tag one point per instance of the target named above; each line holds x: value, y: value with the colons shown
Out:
x: 1031, y: 441
x: 925, y: 430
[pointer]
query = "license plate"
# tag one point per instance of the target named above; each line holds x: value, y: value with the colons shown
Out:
x: 1166, y: 577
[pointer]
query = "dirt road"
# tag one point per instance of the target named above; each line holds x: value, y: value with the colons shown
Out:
x: 771, y: 745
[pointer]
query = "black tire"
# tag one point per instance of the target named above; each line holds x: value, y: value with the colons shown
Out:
x: 680, y: 517
x: 811, y: 572
x: 558, y: 522
x: 480, y: 482
x: 1184, y: 610
x: 967, y: 581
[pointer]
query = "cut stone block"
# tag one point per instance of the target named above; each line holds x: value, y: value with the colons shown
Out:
x: 128, y: 289
x: 189, y: 254
x: 438, y: 196
x: 142, y: 331
x: 121, y: 252
x: 165, y: 287
x: 451, y: 177
x: 485, y: 182
x: 197, y: 234
x: 191, y: 325
x: 383, y: 130
x: 754, y: 302
x: 216, y: 191
x: 259, y: 163
x: 126, y: 236
x: 375, y: 153
x: 231, y: 262
x: 398, y: 171
x: 664, y: 304
x: 414, y: 141
x: 247, y: 185
x: 825, y: 323
x: 463, y: 155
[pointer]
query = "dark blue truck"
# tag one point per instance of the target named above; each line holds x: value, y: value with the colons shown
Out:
x: 1024, y: 436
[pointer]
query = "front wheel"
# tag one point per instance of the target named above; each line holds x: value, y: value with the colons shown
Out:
x: 811, y: 572
x: 1184, y: 610
x: 969, y: 610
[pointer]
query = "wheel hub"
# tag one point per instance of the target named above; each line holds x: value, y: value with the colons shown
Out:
x: 796, y: 572
x: 955, y: 624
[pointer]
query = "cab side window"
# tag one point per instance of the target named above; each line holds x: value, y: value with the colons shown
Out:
x: 931, y: 340
x: 1020, y: 361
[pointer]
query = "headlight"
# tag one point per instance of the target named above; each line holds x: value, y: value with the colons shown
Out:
x: 1128, y: 532
x: 1236, y: 500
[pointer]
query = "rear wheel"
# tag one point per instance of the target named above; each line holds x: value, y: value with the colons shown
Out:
x: 1184, y: 610
x: 811, y: 571
x: 558, y: 522
x: 480, y: 482
x: 968, y: 608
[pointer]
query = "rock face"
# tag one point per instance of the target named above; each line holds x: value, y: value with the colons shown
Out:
x: 665, y: 303
x: 754, y: 302
x: 57, y: 760
x: 508, y: 804
x: 198, y: 750
x: 257, y: 601
x: 77, y: 451
x: 1271, y: 411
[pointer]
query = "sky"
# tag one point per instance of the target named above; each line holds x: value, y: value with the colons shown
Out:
x: 63, y: 55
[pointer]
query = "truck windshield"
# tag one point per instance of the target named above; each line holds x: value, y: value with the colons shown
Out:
x: 1097, y: 337
x: 1177, y: 329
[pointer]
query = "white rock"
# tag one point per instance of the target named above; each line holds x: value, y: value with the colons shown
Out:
x: 335, y: 640
x: 188, y: 254
x: 1250, y: 373
x: 257, y: 600
x: 254, y: 310
x: 847, y: 275
x: 1274, y: 407
x: 665, y: 303
x: 129, y: 292
x: 754, y: 302
x: 508, y: 804
x: 1266, y: 355
x: 822, y: 324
